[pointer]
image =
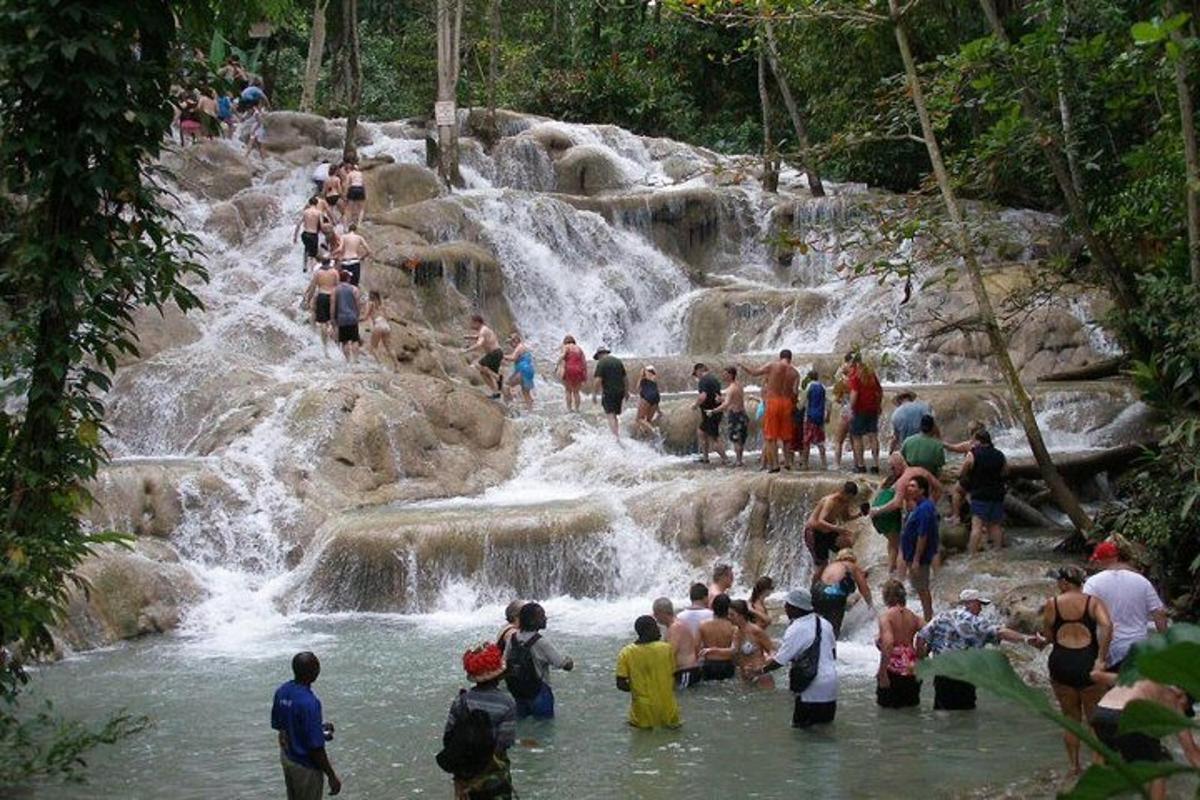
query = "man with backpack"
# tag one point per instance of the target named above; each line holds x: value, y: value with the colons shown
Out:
x: 529, y: 658
x: 482, y: 725
x: 808, y: 649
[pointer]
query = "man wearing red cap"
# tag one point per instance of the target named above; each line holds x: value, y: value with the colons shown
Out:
x: 484, y: 665
x: 1131, y: 599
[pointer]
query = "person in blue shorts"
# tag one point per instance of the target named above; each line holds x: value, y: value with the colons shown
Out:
x: 983, y: 472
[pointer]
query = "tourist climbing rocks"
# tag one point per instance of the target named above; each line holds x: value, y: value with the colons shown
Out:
x: 716, y: 642
x: 808, y: 651
x: 866, y: 403
x: 488, y: 345
x: 308, y: 229
x: 352, y: 252
x: 758, y: 600
x: 896, y: 681
x: 734, y: 409
x: 572, y: 370
x: 1131, y: 600
x: 319, y: 298
x: 962, y: 628
x: 824, y: 532
x: 356, y: 194
x: 708, y: 400
x: 530, y: 657
x: 983, y: 474
x: 835, y: 584
x: 841, y: 398
x: 256, y: 132
x: 1079, y: 630
x: 480, y: 729
x: 380, y: 342
x: 646, y: 669
x: 779, y: 390
x: 816, y: 416
x: 685, y: 645
x: 648, y: 400
x: 320, y: 174
x: 302, y: 733
x: 346, y: 304
x: 906, y: 418
x: 253, y: 97
x: 919, y: 541
x: 889, y: 502
x: 333, y: 194
x: 611, y: 386
x: 522, y: 375
x: 925, y: 448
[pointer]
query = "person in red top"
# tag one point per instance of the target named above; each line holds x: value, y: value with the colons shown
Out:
x: 866, y: 403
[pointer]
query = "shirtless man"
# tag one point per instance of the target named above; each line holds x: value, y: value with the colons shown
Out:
x: 734, y: 409
x: 319, y: 298
x: 823, y: 532
x: 356, y: 195
x: 716, y: 642
x: 333, y: 242
x: 310, y: 221
x: 352, y: 252
x: 779, y: 391
x: 333, y: 193
x: 684, y: 644
x: 488, y: 344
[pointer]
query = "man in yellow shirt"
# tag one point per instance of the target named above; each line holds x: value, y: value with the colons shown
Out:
x: 646, y: 669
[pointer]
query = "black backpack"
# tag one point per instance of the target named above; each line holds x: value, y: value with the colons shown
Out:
x: 468, y: 747
x: 804, y: 667
x: 522, y: 677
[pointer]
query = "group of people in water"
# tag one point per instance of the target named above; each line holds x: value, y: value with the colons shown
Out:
x: 211, y: 106
x: 1090, y: 623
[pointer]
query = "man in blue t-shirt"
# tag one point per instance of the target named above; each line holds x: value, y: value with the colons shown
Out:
x: 816, y: 415
x: 919, y: 540
x: 252, y: 96
x: 296, y: 715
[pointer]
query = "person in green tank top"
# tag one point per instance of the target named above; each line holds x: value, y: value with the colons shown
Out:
x: 888, y: 504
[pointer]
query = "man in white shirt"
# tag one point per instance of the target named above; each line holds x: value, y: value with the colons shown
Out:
x: 1132, y: 602
x: 698, y: 611
x: 817, y: 703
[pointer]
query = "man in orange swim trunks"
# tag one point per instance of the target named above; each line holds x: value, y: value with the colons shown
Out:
x: 779, y: 390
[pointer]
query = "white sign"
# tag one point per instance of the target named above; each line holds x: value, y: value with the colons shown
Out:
x: 444, y: 113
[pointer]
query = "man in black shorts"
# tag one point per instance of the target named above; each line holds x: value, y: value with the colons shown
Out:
x: 611, y: 386
x: 310, y: 222
x: 487, y: 343
x: 708, y: 400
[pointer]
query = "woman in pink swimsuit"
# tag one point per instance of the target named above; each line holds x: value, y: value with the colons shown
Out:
x: 572, y: 368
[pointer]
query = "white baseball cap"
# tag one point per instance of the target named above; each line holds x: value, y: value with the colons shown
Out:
x: 967, y: 595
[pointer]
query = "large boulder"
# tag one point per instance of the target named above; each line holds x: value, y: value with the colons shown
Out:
x: 211, y: 169
x: 126, y: 594
x: 589, y: 169
x: 394, y: 185
x: 290, y: 130
x: 746, y: 320
x: 159, y: 330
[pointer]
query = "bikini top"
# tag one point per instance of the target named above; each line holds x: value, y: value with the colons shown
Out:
x: 749, y: 648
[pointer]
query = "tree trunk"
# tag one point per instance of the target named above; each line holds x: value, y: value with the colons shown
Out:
x: 1187, y: 117
x: 806, y: 156
x: 492, y: 129
x: 1121, y: 284
x: 449, y: 27
x: 770, y: 176
x: 316, y: 47
x: 349, y: 150
x: 1063, y: 495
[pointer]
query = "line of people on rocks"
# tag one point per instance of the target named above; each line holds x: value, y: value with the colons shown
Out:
x: 1091, y: 625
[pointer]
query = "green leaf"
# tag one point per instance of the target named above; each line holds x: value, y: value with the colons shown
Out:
x: 1147, y: 32
x: 1173, y: 50
x: 1152, y: 719
x: 1101, y: 782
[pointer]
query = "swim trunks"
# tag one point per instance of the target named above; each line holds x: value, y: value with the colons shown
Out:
x: 493, y: 360
x: 864, y: 424
x: 348, y: 333
x: 688, y: 678
x: 805, y: 715
x: 739, y: 426
x: 612, y: 403
x: 820, y: 544
x: 321, y: 309
x: 356, y: 193
x: 1131, y: 746
x: 813, y: 433
x: 918, y: 576
x: 952, y: 695
x: 309, y: 239
x: 777, y: 422
x: 904, y: 691
x: 710, y: 424
x: 354, y: 267
x: 332, y: 199
x: 718, y: 670
x: 988, y: 510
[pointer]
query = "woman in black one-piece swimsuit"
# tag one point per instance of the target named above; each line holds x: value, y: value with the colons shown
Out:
x: 1071, y: 665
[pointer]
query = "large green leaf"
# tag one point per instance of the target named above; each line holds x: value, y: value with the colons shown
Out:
x: 1147, y: 32
x: 1177, y: 665
x: 1101, y: 781
x: 1152, y: 719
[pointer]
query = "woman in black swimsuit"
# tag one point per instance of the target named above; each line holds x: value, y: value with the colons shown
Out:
x: 1079, y: 628
x: 648, y: 400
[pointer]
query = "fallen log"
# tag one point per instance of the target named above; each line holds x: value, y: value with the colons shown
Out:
x: 1026, y: 514
x: 1077, y: 466
x: 1107, y: 368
